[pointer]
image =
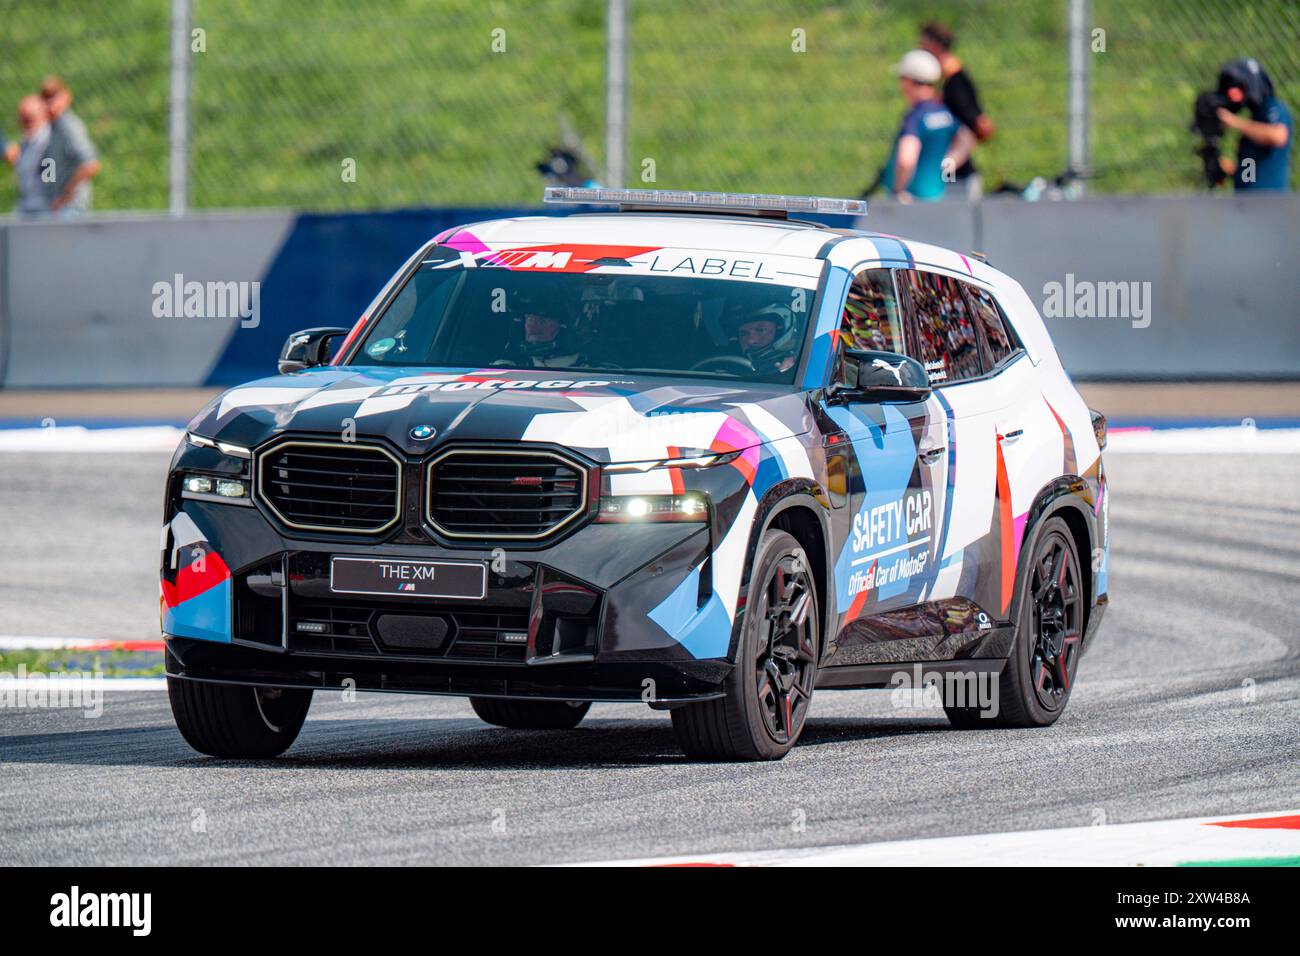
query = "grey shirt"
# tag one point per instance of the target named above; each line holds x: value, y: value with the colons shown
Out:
x: 70, y: 148
x: 32, y: 200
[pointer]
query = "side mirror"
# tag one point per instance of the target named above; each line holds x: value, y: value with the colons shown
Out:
x: 870, y: 376
x: 307, y: 349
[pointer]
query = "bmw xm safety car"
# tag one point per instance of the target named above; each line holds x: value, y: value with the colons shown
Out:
x: 694, y: 454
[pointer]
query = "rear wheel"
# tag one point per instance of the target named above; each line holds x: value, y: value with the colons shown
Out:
x: 228, y: 720
x: 767, y: 695
x: 531, y: 714
x: 1036, y: 682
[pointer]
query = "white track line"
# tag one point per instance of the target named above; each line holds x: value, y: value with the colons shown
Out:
x: 31, y: 642
x: 79, y: 683
x: 1155, y: 843
x: 1231, y: 440
x: 78, y: 438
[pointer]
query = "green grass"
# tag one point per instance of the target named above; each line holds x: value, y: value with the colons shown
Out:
x: 67, y: 661
x: 412, y: 91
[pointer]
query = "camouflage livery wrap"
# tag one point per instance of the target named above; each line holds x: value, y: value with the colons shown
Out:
x: 914, y: 515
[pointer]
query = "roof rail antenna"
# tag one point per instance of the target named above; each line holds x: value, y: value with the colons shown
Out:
x: 981, y: 256
x: 731, y: 204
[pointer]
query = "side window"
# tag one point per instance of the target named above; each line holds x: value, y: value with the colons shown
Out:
x: 871, y: 318
x: 993, y: 321
x: 945, y: 339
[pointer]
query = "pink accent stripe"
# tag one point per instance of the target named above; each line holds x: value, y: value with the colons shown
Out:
x: 466, y: 241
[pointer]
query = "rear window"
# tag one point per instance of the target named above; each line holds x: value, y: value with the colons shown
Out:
x: 998, y: 338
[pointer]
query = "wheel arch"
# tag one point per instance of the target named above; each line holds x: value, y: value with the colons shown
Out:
x: 799, y: 507
x: 1065, y: 498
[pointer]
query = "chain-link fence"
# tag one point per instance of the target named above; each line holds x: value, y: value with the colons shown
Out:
x: 1158, y: 57
x: 327, y: 104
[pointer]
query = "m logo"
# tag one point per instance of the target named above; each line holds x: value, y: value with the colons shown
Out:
x: 524, y: 259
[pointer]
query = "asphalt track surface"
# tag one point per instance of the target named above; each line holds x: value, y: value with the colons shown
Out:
x: 1187, y: 705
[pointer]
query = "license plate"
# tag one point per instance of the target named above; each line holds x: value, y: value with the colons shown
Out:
x: 404, y: 577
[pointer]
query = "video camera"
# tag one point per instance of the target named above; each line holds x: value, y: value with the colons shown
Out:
x: 1206, y: 124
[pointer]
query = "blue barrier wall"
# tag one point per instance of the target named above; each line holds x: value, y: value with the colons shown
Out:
x: 77, y: 303
x: 326, y: 273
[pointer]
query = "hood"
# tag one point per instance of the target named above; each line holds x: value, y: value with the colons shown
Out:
x: 607, y: 418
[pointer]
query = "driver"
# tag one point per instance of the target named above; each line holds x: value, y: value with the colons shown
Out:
x: 765, y: 338
x: 546, y: 342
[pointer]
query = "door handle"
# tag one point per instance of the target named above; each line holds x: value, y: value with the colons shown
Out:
x: 1011, y: 436
x: 931, y: 455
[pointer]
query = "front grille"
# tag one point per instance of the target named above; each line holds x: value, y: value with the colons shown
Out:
x: 327, y: 486
x: 497, y: 493
x: 328, y: 627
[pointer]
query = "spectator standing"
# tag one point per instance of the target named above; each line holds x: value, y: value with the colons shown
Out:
x: 962, y: 100
x: 75, y: 161
x: 915, y: 167
x: 26, y: 156
x: 1264, y: 153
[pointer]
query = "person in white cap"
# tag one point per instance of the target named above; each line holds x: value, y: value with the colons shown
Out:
x: 915, y: 170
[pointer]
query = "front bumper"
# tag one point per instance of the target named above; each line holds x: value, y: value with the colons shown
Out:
x: 656, y: 684
x: 582, y: 620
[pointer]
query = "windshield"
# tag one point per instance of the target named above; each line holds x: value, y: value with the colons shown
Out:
x: 655, y: 311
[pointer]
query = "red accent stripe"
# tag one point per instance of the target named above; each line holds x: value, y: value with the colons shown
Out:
x: 1263, y: 823
x: 1064, y: 433
x: 675, y: 474
x: 348, y: 340
x: 121, y: 646
x: 859, y: 599
x: 686, y: 866
x: 191, y: 582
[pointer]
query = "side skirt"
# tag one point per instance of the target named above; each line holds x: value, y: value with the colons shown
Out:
x: 860, y: 676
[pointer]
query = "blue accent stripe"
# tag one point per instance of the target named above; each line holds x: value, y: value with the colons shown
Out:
x: 205, y: 616
x: 829, y: 315
x: 893, y: 252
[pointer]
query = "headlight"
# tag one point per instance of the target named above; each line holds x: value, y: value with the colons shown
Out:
x: 211, y: 487
x: 642, y: 508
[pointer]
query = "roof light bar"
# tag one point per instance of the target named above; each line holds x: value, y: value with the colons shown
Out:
x: 727, y: 202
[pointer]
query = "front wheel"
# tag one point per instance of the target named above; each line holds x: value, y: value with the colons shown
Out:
x: 1039, y: 675
x: 230, y: 720
x: 767, y: 694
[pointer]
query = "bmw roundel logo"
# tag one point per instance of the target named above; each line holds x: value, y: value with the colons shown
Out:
x: 423, y: 432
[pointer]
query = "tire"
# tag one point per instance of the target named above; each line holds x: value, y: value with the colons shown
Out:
x: 766, y: 697
x: 1039, y: 675
x: 228, y: 720
x: 530, y: 714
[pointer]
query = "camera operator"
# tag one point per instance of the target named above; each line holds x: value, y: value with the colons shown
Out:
x: 1264, y: 153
